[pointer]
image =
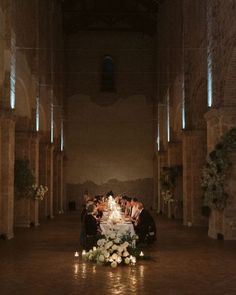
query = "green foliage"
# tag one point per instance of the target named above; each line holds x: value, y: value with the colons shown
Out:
x: 215, y: 170
x: 168, y: 177
x: 24, y: 178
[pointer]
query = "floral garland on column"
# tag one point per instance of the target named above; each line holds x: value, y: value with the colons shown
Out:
x: 214, y: 173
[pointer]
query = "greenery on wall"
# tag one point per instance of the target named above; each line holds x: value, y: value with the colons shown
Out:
x: 214, y: 173
x: 24, y: 178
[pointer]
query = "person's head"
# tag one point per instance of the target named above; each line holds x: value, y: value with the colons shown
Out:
x: 134, y: 201
x: 140, y: 206
x: 90, y: 208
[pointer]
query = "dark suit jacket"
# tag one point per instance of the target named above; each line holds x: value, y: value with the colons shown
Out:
x: 90, y: 224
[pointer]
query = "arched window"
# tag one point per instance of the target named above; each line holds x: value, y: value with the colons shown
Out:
x: 108, y: 75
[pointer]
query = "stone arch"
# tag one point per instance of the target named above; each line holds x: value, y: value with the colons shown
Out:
x: 22, y: 106
x: 229, y: 96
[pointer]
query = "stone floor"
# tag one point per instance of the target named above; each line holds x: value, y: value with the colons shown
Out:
x: 185, y: 261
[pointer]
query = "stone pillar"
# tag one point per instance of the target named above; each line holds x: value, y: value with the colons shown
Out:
x: 50, y: 158
x: 175, y: 158
x: 223, y: 223
x: 162, y: 161
x: 7, y: 150
x: 194, y: 155
x: 34, y: 161
x: 22, y: 205
x: 43, y: 178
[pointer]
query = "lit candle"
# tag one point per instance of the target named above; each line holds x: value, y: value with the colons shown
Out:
x: 133, y: 260
x: 76, y: 254
x: 141, y: 254
x: 83, y: 253
x: 94, y: 248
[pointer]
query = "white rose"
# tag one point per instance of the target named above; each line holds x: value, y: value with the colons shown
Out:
x: 114, y: 256
x: 119, y: 259
x: 117, y: 241
x: 114, y: 264
x: 101, y: 258
x: 126, y: 244
x: 127, y: 260
x: 114, y: 247
x: 125, y: 254
x: 108, y: 245
x: 106, y: 254
x: 120, y: 249
x: 113, y: 236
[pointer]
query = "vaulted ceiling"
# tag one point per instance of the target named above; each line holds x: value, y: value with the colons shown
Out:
x: 112, y: 15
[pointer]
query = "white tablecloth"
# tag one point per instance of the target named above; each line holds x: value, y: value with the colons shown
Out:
x: 122, y: 228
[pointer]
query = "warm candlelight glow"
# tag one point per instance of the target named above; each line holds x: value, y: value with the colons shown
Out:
x: 94, y: 248
x: 76, y: 254
x: 133, y: 260
x: 83, y: 252
x: 141, y: 254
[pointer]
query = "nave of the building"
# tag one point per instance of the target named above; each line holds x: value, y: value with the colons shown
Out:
x: 41, y: 261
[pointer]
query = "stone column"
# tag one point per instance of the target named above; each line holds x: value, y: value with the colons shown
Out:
x: 50, y: 158
x: 7, y: 150
x: 23, y: 146
x: 43, y: 178
x: 194, y: 154
x: 162, y: 161
x: 223, y: 223
x: 34, y: 161
x: 61, y: 182
x: 175, y: 158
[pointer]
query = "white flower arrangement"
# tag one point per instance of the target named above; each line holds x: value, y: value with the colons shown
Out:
x: 39, y: 191
x: 113, y: 250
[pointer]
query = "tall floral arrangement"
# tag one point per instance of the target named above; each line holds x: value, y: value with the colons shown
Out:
x: 214, y: 172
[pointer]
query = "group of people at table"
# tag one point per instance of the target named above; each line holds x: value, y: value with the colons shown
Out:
x: 134, y: 212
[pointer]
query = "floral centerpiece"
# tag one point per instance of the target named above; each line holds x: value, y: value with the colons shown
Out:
x: 113, y: 249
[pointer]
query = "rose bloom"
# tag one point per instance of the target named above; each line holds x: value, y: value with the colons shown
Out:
x: 127, y: 260
x: 101, y: 258
x: 114, y: 256
x: 125, y: 254
x: 114, y: 247
x: 114, y: 264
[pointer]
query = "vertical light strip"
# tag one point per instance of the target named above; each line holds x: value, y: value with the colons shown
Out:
x: 52, y: 123
x: 13, y: 72
x: 62, y: 136
x: 168, y: 115
x: 158, y: 137
x: 209, y: 58
x: 183, y: 105
x: 37, y: 113
x: 158, y: 129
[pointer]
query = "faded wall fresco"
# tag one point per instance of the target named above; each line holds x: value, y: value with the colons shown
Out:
x: 109, y: 136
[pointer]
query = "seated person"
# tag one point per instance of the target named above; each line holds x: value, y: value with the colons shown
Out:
x: 146, y: 228
x: 91, y: 227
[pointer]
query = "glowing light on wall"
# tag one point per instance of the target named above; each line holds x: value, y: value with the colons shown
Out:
x: 158, y: 137
x: 168, y: 115
x: 209, y: 79
x: 52, y: 123
x: 37, y: 113
x: 62, y: 136
x: 183, y: 106
x: 209, y: 58
x: 13, y: 72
